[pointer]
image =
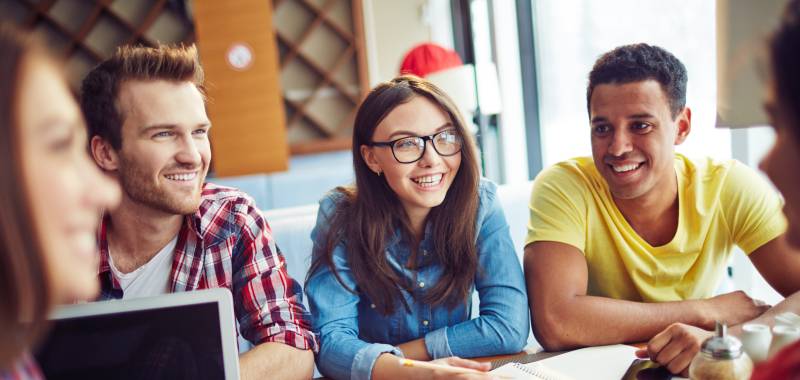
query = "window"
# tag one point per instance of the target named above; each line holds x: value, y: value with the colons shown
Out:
x: 571, y: 34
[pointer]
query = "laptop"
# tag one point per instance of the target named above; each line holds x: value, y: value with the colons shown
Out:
x: 187, y: 335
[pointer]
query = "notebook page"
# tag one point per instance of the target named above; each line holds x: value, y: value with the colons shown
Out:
x: 599, y: 363
x: 532, y: 371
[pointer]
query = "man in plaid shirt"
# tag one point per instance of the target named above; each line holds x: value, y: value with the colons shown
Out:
x: 173, y: 232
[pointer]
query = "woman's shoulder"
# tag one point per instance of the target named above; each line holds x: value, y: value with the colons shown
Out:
x: 487, y: 200
x: 487, y: 185
x: 487, y: 192
x: 335, y: 198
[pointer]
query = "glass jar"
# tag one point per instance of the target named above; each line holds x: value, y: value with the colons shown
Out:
x: 721, y: 358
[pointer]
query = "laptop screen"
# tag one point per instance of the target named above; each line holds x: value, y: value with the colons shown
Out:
x: 176, y: 342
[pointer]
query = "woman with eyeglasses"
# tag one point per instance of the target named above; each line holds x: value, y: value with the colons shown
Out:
x: 51, y: 197
x: 397, y: 256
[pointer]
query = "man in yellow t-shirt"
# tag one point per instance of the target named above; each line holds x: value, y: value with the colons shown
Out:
x: 636, y: 238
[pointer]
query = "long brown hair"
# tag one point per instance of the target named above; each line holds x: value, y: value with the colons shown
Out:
x: 368, y: 214
x: 24, y: 295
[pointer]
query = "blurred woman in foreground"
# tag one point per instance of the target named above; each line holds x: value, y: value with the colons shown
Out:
x: 51, y: 198
x: 780, y: 164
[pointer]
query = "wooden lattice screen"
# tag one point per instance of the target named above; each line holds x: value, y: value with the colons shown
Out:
x: 87, y: 31
x: 320, y: 43
x: 323, y: 70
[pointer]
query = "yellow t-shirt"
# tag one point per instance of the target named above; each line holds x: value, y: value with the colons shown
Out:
x: 720, y: 204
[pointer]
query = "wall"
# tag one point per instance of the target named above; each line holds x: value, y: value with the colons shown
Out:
x: 742, y: 27
x: 308, y: 179
x: 393, y: 27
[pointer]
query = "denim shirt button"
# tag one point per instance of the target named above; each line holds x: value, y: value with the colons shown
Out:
x: 424, y: 252
x: 421, y: 284
x: 424, y: 322
x: 372, y: 306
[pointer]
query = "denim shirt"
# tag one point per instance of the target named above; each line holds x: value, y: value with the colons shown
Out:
x: 353, y: 334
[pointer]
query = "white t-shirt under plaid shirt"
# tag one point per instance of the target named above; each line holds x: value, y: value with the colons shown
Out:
x: 228, y: 244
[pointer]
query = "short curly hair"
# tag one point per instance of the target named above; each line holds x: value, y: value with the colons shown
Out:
x: 641, y: 62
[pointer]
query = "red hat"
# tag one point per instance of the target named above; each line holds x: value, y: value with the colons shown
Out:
x: 429, y: 58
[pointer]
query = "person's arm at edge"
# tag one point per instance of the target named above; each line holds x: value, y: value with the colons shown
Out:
x: 789, y: 304
x: 779, y: 264
x: 564, y: 316
x: 276, y: 361
x: 677, y: 345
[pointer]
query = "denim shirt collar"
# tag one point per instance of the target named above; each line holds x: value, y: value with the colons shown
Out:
x: 400, y: 249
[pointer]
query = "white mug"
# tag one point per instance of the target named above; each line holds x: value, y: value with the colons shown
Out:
x: 756, y: 340
x: 782, y: 336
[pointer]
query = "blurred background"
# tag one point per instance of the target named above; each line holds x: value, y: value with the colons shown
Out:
x: 286, y: 76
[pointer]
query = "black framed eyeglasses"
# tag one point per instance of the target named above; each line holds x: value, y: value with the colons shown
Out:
x: 407, y: 150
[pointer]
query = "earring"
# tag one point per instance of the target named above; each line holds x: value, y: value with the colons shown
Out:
x: 379, y: 172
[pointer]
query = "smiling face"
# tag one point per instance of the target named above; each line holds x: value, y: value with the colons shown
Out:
x: 423, y: 184
x: 633, y: 137
x: 68, y: 191
x: 780, y: 162
x: 165, y: 151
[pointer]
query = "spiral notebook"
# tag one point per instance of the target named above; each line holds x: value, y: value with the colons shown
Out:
x: 600, y: 363
x: 532, y: 371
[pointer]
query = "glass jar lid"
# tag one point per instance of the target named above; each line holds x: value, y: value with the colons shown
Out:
x: 722, y: 345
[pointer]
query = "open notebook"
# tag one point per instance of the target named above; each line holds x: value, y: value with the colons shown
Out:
x: 601, y: 363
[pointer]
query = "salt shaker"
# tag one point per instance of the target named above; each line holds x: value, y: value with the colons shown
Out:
x: 721, y: 358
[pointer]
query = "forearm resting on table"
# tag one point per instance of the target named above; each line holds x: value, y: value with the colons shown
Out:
x: 276, y: 361
x: 415, y: 349
x: 790, y: 304
x: 565, y: 317
x: 592, y: 321
x: 388, y: 367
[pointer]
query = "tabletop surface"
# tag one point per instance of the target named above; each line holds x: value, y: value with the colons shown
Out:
x: 527, y: 356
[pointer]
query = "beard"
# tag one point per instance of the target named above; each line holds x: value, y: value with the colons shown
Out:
x: 140, y: 187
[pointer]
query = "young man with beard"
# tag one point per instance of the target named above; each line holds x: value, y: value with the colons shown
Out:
x: 624, y: 245
x: 173, y: 232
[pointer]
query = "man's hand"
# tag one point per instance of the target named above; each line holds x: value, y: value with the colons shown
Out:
x: 675, y: 347
x: 732, y: 309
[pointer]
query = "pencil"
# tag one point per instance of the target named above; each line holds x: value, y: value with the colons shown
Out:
x: 420, y: 364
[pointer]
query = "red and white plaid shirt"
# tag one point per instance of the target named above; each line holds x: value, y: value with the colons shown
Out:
x: 228, y: 244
